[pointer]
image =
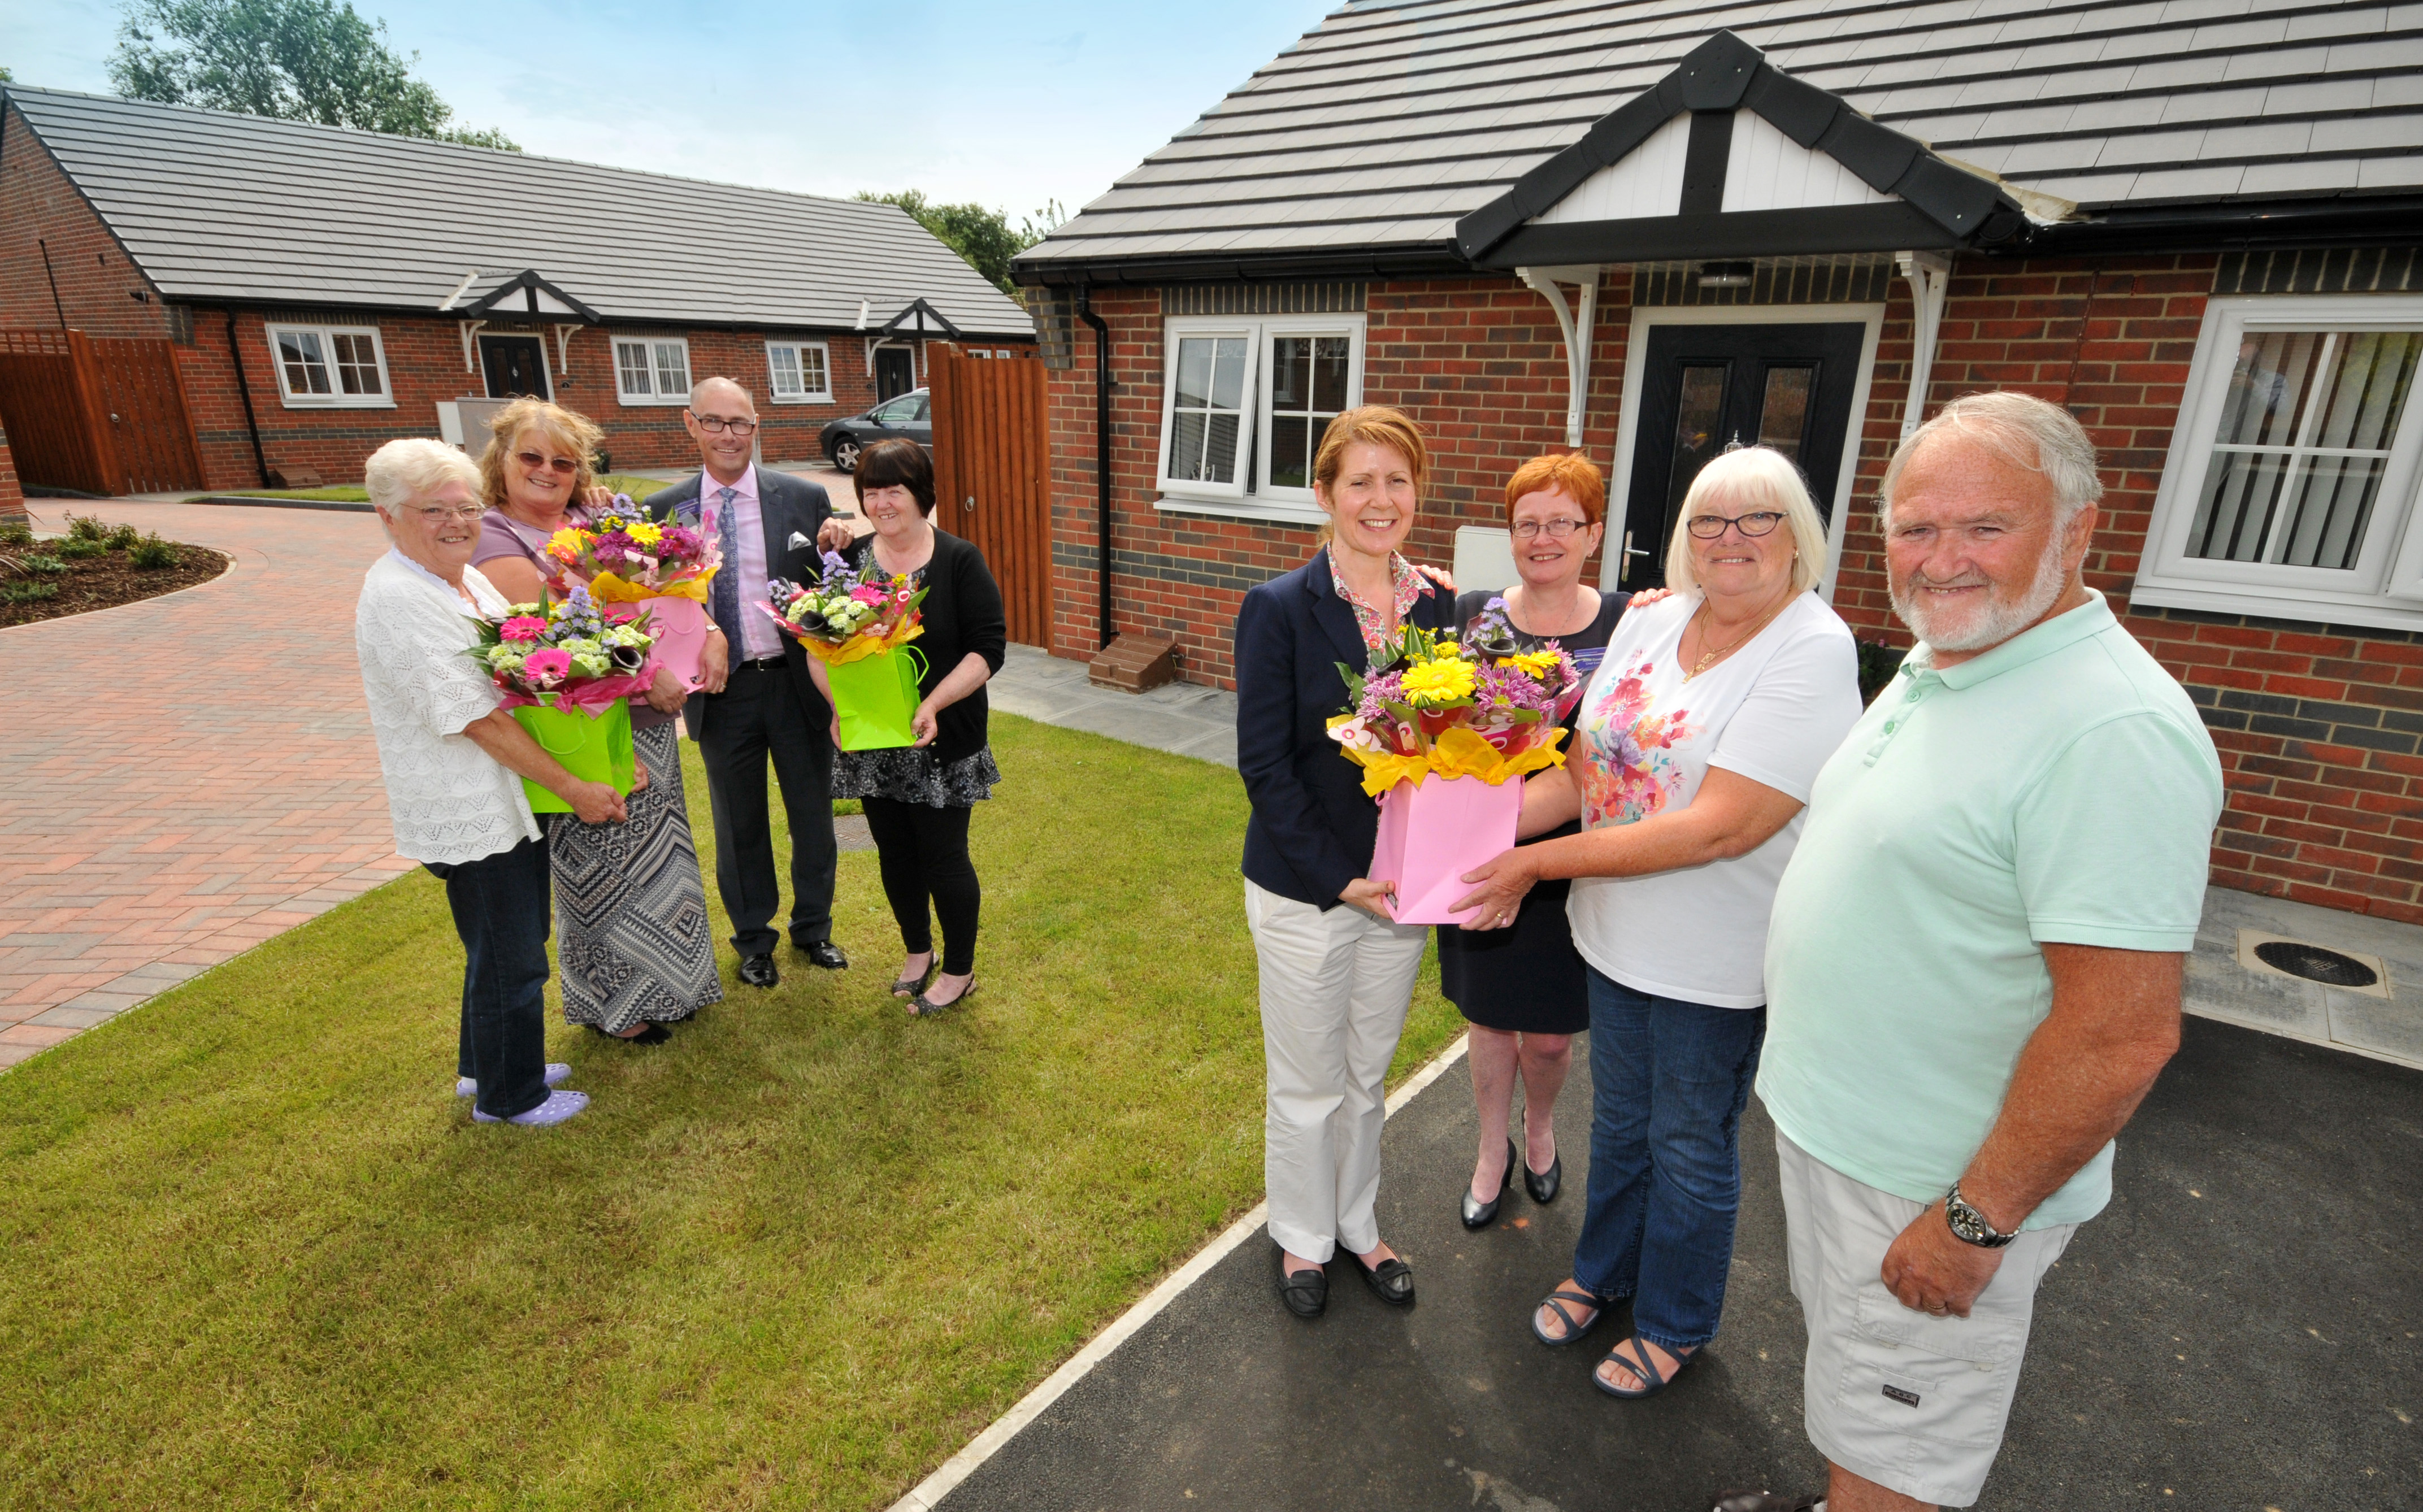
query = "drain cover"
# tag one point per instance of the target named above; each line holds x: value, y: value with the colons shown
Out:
x: 2314, y: 964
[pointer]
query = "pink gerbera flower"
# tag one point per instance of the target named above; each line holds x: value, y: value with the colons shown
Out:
x: 523, y: 627
x: 546, y: 669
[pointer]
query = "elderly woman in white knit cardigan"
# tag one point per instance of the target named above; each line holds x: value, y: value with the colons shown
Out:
x: 453, y: 763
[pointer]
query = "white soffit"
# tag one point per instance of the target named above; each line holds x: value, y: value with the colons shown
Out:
x: 1647, y: 181
x: 1768, y: 170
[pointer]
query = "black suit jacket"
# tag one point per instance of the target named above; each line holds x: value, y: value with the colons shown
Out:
x: 791, y: 509
x: 1312, y: 828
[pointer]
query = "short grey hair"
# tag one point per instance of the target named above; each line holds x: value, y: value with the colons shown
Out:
x: 414, y: 467
x: 2022, y: 430
x: 1751, y: 479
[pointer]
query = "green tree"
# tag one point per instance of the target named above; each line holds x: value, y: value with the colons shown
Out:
x: 313, y: 60
x: 983, y: 238
x: 7, y: 77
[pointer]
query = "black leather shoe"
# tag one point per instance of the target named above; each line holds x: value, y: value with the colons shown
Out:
x: 1305, y: 1292
x: 758, y: 970
x: 653, y: 1034
x: 1391, y: 1280
x: 823, y: 953
x: 1545, y: 1185
x: 1480, y: 1215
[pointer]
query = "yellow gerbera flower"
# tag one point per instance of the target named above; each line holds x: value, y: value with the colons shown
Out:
x: 568, y: 543
x: 1536, y: 663
x: 1433, y: 684
x: 647, y: 532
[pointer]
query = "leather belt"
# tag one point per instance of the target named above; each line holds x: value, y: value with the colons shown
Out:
x: 763, y: 664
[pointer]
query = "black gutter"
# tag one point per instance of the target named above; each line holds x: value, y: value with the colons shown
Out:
x: 1438, y: 260
x: 1101, y: 445
x: 2385, y: 221
x: 244, y: 388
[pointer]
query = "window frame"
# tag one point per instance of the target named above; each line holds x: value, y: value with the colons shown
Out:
x: 798, y: 348
x: 625, y: 397
x: 1237, y: 501
x: 327, y: 334
x: 2385, y: 587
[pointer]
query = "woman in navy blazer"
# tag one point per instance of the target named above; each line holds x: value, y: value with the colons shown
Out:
x: 1336, y: 972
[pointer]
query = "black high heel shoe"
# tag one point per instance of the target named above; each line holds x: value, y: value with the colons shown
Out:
x: 1545, y: 1185
x: 1479, y: 1215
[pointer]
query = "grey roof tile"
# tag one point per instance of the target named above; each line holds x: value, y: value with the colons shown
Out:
x: 2304, y: 177
x: 2389, y: 172
x: 223, y: 206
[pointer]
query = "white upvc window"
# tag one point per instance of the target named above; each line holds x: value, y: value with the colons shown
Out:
x: 1245, y: 404
x: 802, y: 372
x: 2290, y: 488
x: 332, y: 367
x: 652, y: 370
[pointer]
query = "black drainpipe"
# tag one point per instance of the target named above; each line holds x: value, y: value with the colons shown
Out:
x: 235, y: 355
x: 1101, y: 442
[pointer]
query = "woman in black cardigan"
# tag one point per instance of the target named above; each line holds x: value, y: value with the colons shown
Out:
x: 1336, y: 971
x: 919, y: 797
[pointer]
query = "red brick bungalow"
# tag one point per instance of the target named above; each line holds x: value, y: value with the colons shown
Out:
x: 331, y: 289
x: 1643, y: 231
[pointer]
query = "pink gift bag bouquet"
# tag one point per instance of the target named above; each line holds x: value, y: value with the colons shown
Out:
x: 1444, y: 730
x: 568, y: 672
x: 858, y: 624
x: 628, y: 561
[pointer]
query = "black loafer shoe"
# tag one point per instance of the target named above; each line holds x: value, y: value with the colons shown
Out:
x: 758, y: 970
x: 1479, y: 1215
x: 1305, y: 1292
x: 1545, y: 1185
x: 1391, y: 1280
x: 823, y: 953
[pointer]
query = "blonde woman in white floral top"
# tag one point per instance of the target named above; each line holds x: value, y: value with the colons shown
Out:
x: 1696, y: 745
x: 1337, y: 970
x: 453, y: 763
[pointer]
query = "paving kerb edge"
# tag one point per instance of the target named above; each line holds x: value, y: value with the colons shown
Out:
x: 234, y: 565
x: 240, y: 501
x: 928, y: 1493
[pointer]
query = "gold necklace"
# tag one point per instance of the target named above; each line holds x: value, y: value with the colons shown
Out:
x: 1709, y: 657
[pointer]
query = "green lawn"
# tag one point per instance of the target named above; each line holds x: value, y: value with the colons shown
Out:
x: 259, y: 1254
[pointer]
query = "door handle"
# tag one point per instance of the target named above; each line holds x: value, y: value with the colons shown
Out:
x: 968, y: 506
x: 1628, y: 546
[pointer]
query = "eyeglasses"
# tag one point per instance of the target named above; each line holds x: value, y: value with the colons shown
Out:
x: 717, y: 425
x: 533, y: 461
x: 1709, y: 527
x: 1553, y: 529
x: 439, y: 513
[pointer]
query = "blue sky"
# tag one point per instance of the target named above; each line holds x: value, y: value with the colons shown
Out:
x: 1009, y: 104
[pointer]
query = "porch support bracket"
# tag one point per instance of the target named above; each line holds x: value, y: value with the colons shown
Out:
x: 1575, y: 320
x: 470, y: 335
x: 1928, y: 274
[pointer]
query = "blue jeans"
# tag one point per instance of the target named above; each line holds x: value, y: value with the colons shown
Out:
x: 500, y: 905
x: 1668, y: 1083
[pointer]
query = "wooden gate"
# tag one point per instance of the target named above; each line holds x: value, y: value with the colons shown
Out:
x: 99, y: 417
x: 992, y: 476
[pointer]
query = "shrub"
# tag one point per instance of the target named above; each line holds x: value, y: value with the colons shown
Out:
x: 15, y: 533
x: 151, y: 553
x: 77, y: 548
x: 29, y: 593
x: 122, y: 537
x: 1877, y: 664
x: 87, y: 528
x: 41, y: 564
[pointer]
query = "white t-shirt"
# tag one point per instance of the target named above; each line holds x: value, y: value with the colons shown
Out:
x: 450, y: 800
x: 1772, y: 712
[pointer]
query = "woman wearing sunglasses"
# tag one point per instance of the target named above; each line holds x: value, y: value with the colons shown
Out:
x: 633, y: 945
x: 1696, y: 745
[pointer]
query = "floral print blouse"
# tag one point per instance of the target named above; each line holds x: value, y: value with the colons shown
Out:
x: 1406, y: 585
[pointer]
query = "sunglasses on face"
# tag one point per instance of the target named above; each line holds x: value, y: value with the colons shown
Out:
x: 532, y: 461
x: 1709, y: 527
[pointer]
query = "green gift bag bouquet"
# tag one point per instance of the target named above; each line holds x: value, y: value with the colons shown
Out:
x: 568, y: 675
x: 859, y: 624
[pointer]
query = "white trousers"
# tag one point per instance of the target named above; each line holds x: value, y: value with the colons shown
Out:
x: 1335, y: 988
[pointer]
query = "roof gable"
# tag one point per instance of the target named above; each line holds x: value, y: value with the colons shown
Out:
x: 527, y: 293
x: 1727, y: 133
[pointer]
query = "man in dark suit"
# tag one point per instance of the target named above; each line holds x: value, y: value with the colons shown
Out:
x: 757, y: 699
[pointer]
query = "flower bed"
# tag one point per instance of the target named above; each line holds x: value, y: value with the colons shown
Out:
x: 94, y: 566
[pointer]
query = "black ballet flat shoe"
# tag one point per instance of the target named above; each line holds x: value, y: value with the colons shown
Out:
x: 1545, y: 1185
x: 1478, y: 1215
x: 1305, y: 1292
x: 1391, y: 1280
x: 653, y: 1034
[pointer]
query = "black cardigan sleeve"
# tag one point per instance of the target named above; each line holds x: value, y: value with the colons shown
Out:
x: 962, y: 613
x: 1287, y: 816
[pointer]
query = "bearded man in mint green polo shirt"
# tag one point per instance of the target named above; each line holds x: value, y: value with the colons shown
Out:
x: 1974, y: 968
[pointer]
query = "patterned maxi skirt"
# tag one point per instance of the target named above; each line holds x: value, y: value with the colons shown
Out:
x: 633, y: 943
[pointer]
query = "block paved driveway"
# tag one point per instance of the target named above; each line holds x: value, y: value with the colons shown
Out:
x: 186, y: 777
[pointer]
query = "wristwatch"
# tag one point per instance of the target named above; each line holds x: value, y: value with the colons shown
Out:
x: 1969, y: 1225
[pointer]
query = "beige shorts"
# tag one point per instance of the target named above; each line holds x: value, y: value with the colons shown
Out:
x: 1914, y: 1403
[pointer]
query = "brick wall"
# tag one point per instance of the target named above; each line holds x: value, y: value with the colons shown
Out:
x: 12, y: 498
x: 39, y: 210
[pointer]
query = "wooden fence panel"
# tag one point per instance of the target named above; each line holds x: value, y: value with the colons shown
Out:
x: 991, y: 476
x: 100, y: 417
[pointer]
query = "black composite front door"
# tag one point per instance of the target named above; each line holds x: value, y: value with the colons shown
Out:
x: 896, y: 371
x: 1712, y: 386
x: 514, y: 365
